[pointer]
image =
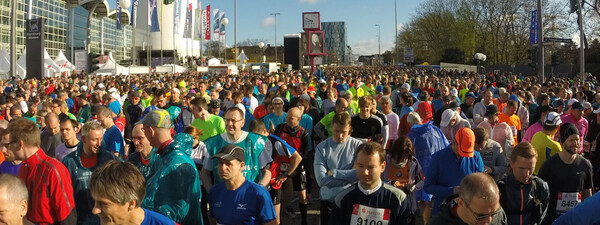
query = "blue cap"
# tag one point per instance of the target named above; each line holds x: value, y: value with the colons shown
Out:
x: 379, y: 88
x: 470, y: 95
x: 513, y: 97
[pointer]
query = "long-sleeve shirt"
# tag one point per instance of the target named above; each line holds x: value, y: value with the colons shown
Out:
x: 478, y: 113
x: 338, y: 158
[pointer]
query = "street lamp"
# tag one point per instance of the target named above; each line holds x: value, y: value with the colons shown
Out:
x: 225, y: 21
x: 275, y: 14
x: 261, y: 46
x: 379, y: 37
x: 396, y: 29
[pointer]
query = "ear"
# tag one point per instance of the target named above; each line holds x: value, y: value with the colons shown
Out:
x: 383, y: 166
x: 23, y: 208
x: 131, y: 205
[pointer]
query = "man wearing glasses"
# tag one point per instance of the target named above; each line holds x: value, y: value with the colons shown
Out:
x: 477, y: 202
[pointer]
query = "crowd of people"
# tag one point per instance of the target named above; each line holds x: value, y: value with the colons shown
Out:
x: 382, y: 145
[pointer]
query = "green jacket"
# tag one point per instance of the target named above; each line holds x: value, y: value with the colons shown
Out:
x: 80, y: 179
x: 174, y: 189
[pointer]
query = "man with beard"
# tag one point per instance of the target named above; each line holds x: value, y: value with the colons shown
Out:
x: 81, y: 163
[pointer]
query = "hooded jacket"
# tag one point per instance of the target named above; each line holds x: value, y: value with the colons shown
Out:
x: 174, y: 189
x: 447, y: 216
x: 427, y: 140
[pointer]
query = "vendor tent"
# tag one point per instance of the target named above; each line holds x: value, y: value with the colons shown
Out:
x: 63, y: 63
x: 111, y: 67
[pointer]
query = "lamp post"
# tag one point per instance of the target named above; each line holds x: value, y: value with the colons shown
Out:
x: 396, y: 29
x: 379, y: 41
x: 261, y: 46
x: 235, y: 30
x: 225, y: 21
x: 275, y: 14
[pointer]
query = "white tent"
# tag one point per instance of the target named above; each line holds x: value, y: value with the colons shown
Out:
x: 111, y: 67
x: 22, y: 62
x: 4, y: 63
x: 50, y: 66
x: 242, y: 57
x: 214, y: 61
x: 63, y: 63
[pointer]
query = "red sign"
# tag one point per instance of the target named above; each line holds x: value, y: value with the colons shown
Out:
x: 207, y: 33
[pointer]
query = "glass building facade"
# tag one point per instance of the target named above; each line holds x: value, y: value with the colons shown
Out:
x: 66, y: 29
x: 335, y: 42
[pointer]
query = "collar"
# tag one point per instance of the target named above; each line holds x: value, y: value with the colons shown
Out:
x: 163, y: 146
x: 36, y: 158
x: 369, y: 192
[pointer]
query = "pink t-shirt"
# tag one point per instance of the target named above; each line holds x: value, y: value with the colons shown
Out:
x: 501, y: 133
x: 536, y: 127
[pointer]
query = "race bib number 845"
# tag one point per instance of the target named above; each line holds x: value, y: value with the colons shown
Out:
x: 364, y: 215
x: 567, y: 201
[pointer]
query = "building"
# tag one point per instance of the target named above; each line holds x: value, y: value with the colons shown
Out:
x: 66, y: 27
x: 335, y: 42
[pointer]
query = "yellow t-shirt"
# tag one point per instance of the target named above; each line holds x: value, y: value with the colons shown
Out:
x: 513, y: 121
x: 545, y: 148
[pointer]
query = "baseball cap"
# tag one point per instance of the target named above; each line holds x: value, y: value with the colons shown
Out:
x: 453, y: 105
x: 491, y: 110
x: 558, y: 103
x: 454, y: 92
x: 406, y: 86
x: 231, y: 152
x: 447, y: 98
x: 311, y: 89
x: 157, y: 118
x: 447, y: 116
x: 545, y: 108
x: 587, y: 105
x: 214, y: 103
x: 470, y: 95
x: 425, y: 111
x: 465, y: 138
x: 571, y: 101
x: 577, y: 106
x: 552, y: 119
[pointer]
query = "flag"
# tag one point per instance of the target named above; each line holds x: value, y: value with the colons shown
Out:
x: 219, y: 17
x: 187, y: 30
x: 134, y: 13
x: 198, y: 22
x: 222, y: 29
x: 153, y: 17
x: 217, y: 21
x: 119, y: 26
x: 176, y: 16
x: 207, y: 27
x: 533, y: 29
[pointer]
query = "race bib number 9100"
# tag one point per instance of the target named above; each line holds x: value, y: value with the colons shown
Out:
x: 364, y: 215
x: 567, y: 201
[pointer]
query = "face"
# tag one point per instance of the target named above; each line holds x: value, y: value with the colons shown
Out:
x: 161, y: 101
x: 481, y: 208
x: 135, y: 100
x: 480, y: 146
x: 341, y: 107
x: 340, y: 132
x: 233, y: 122
x: 139, y: 139
x: 16, y: 113
x: 386, y: 106
x: 522, y: 168
x: 278, y: 106
x: 5, y: 144
x: 11, y: 213
x: 67, y: 130
x: 369, y: 169
x: 15, y: 148
x: 92, y: 142
x: 470, y: 101
x: 577, y: 114
x: 103, y: 120
x: 292, y: 120
x: 572, y: 144
x: 230, y: 169
x: 365, y: 109
x: 511, y: 110
x: 55, y: 108
x: 110, y: 212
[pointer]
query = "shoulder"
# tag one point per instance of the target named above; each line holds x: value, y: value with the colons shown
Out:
x: 155, y: 218
x: 397, y: 193
x: 342, y: 195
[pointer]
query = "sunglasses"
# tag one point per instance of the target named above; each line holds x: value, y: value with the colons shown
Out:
x: 482, y: 216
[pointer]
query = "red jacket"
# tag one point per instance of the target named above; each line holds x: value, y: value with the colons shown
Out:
x: 50, y: 191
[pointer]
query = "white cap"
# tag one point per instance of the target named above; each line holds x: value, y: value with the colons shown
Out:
x: 571, y: 101
x: 112, y: 90
x: 587, y: 105
x: 100, y: 86
x: 454, y: 92
x: 552, y: 119
x: 447, y: 116
x: 83, y: 88
x: 405, y: 86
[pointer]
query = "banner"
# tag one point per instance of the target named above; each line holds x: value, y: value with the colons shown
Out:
x: 222, y: 29
x: 533, y: 29
x: 207, y: 22
x: 217, y: 32
x: 187, y: 30
x: 217, y: 21
x: 198, y: 22
x: 134, y: 13
x: 153, y: 19
x: 119, y: 26
x: 176, y: 16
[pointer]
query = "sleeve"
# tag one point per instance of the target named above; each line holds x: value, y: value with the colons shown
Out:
x: 177, y: 189
x: 220, y: 126
x: 584, y: 213
x: 501, y: 162
x: 478, y: 112
x: 266, y: 155
x: 403, y: 214
x: 320, y: 130
x: 320, y: 167
x: 349, y: 175
x: 267, y: 211
x: 61, y: 199
x: 431, y: 186
x: 589, y: 182
x: 304, y: 142
x: 386, y: 134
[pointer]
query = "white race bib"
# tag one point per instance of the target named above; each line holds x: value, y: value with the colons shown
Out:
x: 364, y: 215
x: 567, y: 201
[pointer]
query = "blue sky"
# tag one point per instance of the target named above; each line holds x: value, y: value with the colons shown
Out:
x: 254, y: 21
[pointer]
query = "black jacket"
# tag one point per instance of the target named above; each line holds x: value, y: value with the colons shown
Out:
x: 534, y: 200
x: 447, y: 217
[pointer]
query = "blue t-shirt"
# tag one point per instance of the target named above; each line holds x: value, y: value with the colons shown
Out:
x: 113, y: 141
x: 249, y: 204
x: 154, y: 218
x: 272, y: 118
x: 8, y: 167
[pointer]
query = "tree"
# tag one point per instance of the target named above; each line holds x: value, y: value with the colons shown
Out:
x: 453, y: 55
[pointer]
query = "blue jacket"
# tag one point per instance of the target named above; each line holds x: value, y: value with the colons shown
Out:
x: 174, y: 189
x: 584, y: 213
x: 446, y: 171
x: 427, y: 140
x: 80, y: 179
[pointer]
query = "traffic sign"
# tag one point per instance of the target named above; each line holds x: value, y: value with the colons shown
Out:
x: 558, y: 40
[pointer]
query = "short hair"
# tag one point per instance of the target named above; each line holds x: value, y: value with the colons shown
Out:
x: 90, y: 126
x: 234, y: 109
x: 511, y: 103
x: 120, y: 182
x: 387, y: 89
x: 42, y: 113
x: 16, y: 107
x: 237, y: 95
x: 342, y: 118
x: 15, y: 188
x: 386, y: 98
x: 104, y: 111
x: 73, y: 122
x: 525, y: 150
x: 372, y: 148
x: 21, y: 129
x: 481, y: 135
x: 413, y: 118
x: 478, y: 185
x: 60, y: 103
x: 199, y: 103
x: 193, y: 131
x: 365, y: 101
x: 257, y: 126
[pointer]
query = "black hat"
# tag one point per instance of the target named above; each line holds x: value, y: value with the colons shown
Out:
x: 453, y: 105
x: 214, y: 103
x: 545, y: 108
x: 447, y: 98
x: 566, y: 130
x: 577, y: 106
x: 491, y: 110
x: 231, y: 152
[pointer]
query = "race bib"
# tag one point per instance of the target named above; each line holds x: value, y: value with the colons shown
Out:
x: 567, y: 201
x: 364, y: 215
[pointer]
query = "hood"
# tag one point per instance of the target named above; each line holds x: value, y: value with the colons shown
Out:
x: 182, y: 142
x: 422, y: 128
